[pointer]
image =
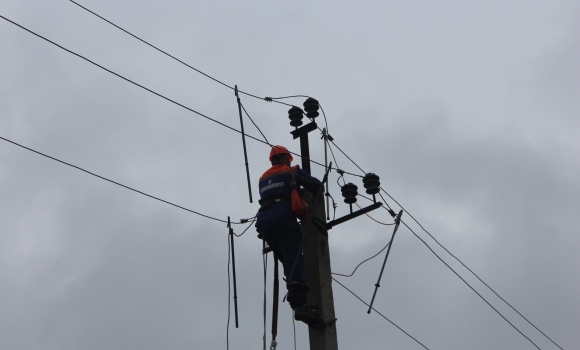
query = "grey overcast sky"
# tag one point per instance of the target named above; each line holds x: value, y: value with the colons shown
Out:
x: 468, y: 110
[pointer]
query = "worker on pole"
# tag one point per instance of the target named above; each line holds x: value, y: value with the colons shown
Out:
x: 277, y: 224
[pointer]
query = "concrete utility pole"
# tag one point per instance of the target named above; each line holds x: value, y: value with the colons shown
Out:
x: 318, y: 273
x: 315, y: 245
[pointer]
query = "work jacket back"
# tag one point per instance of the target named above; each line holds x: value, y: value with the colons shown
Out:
x: 275, y: 183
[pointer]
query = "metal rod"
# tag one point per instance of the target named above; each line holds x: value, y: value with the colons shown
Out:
x: 305, y: 153
x: 234, y: 271
x: 324, y: 133
x: 357, y: 213
x: 244, y: 143
x: 275, y: 297
x: 397, y: 222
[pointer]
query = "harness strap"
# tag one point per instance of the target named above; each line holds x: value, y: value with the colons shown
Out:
x: 266, y: 202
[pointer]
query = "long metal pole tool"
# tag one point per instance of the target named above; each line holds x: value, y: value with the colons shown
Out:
x: 397, y: 222
x: 244, y: 143
x: 234, y: 271
x: 275, y: 305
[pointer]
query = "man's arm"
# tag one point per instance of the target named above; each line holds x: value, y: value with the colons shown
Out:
x: 310, y: 183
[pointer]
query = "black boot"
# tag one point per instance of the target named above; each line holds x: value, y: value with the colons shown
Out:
x: 297, y: 299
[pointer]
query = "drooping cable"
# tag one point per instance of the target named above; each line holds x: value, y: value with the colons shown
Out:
x: 116, y: 183
x: 364, y: 261
x: 383, y: 316
x: 173, y: 57
x: 158, y: 94
x: 473, y: 289
x: 246, y: 229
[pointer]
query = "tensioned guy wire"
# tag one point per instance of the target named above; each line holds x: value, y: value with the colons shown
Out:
x: 116, y: 183
x: 383, y: 316
x: 158, y: 94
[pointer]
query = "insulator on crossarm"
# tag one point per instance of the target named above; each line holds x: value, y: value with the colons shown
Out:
x: 311, y: 107
x: 349, y: 192
x: 372, y: 184
x: 295, y: 114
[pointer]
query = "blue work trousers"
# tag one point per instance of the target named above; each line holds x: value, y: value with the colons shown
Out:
x: 284, y: 236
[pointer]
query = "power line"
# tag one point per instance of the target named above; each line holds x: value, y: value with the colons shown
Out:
x: 473, y: 289
x: 115, y: 182
x: 383, y: 316
x: 463, y: 264
x: 364, y: 261
x: 175, y: 58
x: 252, y: 120
x: 158, y: 94
x: 252, y: 137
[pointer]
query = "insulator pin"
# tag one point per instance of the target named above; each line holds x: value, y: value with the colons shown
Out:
x: 349, y: 192
x: 295, y: 114
x: 372, y: 183
x: 311, y: 107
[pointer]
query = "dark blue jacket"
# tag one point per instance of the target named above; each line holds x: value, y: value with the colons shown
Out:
x: 275, y: 183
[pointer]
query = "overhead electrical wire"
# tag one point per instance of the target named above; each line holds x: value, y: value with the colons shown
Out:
x: 461, y: 262
x: 158, y: 94
x: 117, y: 183
x: 473, y: 289
x: 383, y: 316
x: 252, y: 120
x: 344, y: 182
x: 364, y: 261
x: 173, y: 57
x: 233, y: 129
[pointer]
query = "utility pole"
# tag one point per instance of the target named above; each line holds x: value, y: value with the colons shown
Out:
x: 315, y: 245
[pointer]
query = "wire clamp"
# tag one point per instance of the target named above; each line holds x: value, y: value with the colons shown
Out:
x: 273, y: 345
x: 268, y: 99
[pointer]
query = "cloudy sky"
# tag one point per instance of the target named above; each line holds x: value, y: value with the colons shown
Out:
x: 468, y: 111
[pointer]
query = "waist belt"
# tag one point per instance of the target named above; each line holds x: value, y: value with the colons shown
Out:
x: 266, y: 202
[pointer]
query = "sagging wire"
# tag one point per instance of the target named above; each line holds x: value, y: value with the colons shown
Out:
x: 364, y: 261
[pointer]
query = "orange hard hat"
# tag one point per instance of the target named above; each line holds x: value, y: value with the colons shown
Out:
x: 277, y: 150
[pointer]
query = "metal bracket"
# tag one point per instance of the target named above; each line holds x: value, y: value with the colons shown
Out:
x: 350, y: 216
x: 304, y: 130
